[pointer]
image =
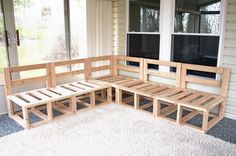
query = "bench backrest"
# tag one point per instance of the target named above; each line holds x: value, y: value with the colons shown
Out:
x: 82, y: 67
x: 158, y: 73
x: 128, y: 64
x: 10, y: 81
x: 221, y: 82
x: 102, y: 64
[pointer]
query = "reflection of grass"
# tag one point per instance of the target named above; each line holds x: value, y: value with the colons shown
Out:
x: 31, y: 33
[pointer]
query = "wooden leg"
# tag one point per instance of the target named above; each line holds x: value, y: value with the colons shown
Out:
x: 10, y: 107
x: 49, y: 111
x: 136, y: 101
x: 109, y: 95
x: 73, y: 104
x: 92, y: 99
x: 222, y: 109
x: 118, y: 96
x: 205, y: 121
x: 156, y: 107
x: 25, y: 117
x: 103, y: 94
x: 179, y: 114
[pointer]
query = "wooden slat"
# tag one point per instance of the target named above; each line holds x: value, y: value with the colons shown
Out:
x: 70, y: 73
x: 213, y: 103
x: 115, y: 79
x: 191, y: 97
x: 101, y: 68
x: 128, y: 68
x: 161, y: 74
x: 162, y: 92
x: 204, y: 68
x: 28, y: 80
x: 89, y: 84
x: 62, y: 91
x: 157, y: 90
x: 201, y: 100
x: 141, y: 86
x: 122, y: 81
x: 203, y: 81
x: 53, y: 95
x: 28, y: 97
x: 172, y: 91
x: 17, y: 100
x: 81, y: 86
x: 27, y: 67
x: 39, y: 95
x: 132, y: 83
x: 146, y: 106
x: 159, y: 62
x: 181, y: 95
x: 68, y: 86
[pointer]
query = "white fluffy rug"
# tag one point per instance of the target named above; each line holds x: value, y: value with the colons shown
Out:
x: 112, y: 130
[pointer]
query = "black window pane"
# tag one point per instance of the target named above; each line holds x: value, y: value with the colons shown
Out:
x: 201, y: 50
x: 144, y: 16
x: 197, y: 16
x: 143, y: 45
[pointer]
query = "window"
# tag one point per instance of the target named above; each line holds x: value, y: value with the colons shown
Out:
x: 143, y: 36
x: 196, y: 32
x: 3, y: 53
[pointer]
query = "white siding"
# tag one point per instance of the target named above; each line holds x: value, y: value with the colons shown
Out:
x: 229, y: 56
x: 119, y: 26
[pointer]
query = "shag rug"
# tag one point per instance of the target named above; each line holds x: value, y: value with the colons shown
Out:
x: 112, y: 130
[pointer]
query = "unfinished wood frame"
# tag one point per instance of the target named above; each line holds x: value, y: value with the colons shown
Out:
x: 49, y: 98
x: 204, y: 103
x: 177, y: 97
x: 149, y: 90
x: 20, y: 99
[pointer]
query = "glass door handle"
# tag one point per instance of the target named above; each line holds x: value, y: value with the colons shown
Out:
x: 18, y: 37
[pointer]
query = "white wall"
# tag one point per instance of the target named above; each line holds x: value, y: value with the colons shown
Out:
x: 228, y: 56
x: 119, y: 26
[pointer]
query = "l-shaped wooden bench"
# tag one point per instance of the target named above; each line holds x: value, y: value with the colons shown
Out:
x: 147, y: 80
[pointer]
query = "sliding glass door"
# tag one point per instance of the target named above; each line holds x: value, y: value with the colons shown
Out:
x: 40, y: 30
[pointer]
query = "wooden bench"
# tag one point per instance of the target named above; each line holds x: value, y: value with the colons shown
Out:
x: 117, y: 65
x: 164, y: 84
x: 51, y: 96
x: 210, y: 106
x: 150, y: 89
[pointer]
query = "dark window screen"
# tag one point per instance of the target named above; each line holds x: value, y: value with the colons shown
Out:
x: 143, y: 45
x: 201, y: 50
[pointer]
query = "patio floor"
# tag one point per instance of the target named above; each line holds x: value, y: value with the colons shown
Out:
x: 225, y: 129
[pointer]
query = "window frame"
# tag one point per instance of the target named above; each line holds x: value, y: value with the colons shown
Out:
x: 128, y: 32
x: 220, y: 34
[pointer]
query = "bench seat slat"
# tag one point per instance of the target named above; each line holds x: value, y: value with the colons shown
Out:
x: 17, y: 100
x: 88, y: 84
x: 51, y: 94
x: 40, y: 95
x: 62, y: 91
x: 70, y: 87
x: 28, y: 97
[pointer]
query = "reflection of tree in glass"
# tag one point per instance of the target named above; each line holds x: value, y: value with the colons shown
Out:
x: 58, y: 52
x: 210, y: 22
x: 149, y: 19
